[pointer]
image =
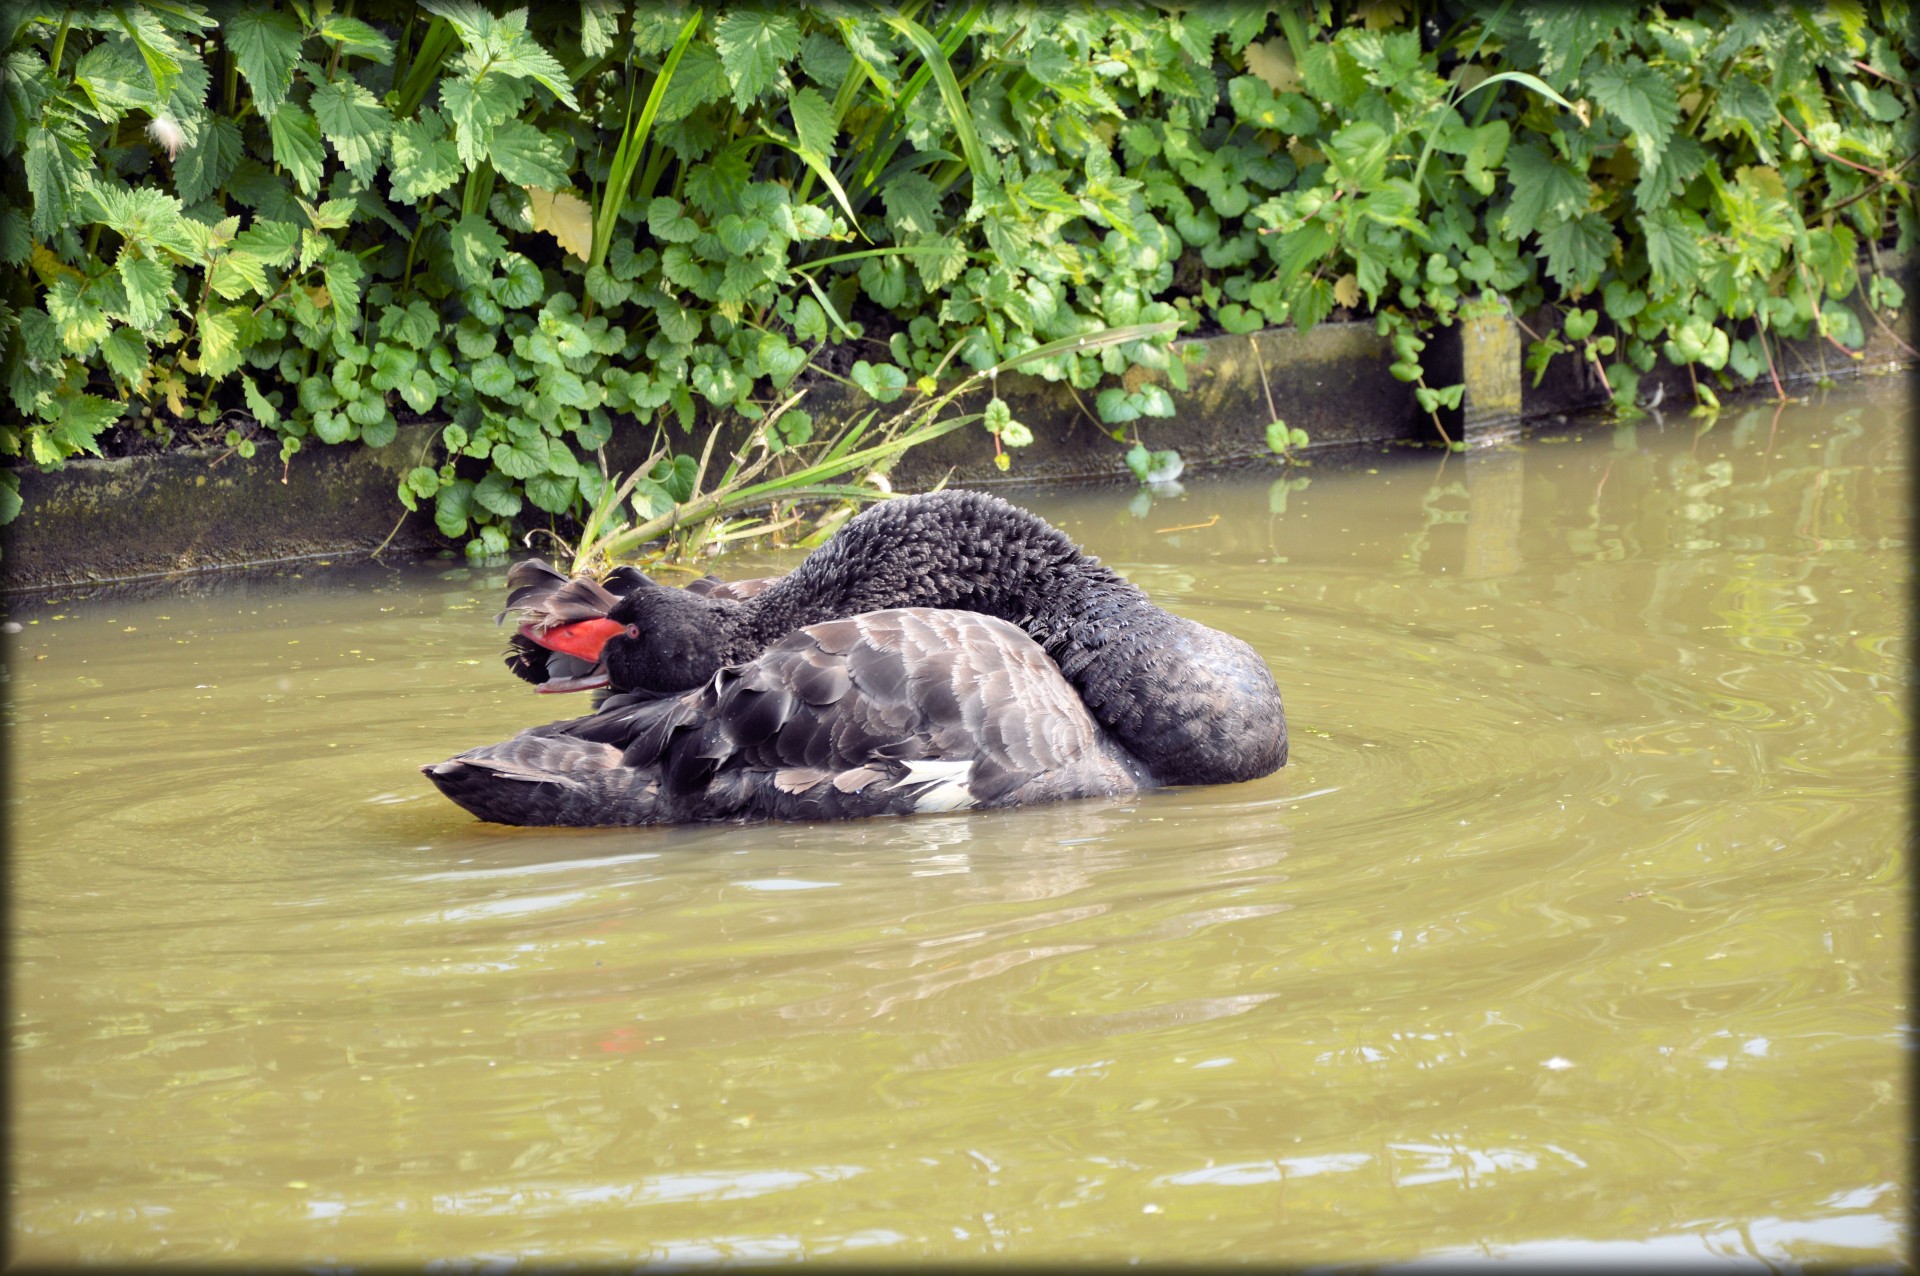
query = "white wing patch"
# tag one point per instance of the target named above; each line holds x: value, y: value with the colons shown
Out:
x: 946, y: 781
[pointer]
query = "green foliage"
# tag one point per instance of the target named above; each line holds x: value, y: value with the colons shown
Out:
x: 545, y: 226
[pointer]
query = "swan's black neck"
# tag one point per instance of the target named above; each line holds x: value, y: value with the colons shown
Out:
x: 1196, y: 705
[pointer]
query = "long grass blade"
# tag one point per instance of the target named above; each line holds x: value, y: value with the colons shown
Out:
x: 977, y: 157
x: 627, y: 156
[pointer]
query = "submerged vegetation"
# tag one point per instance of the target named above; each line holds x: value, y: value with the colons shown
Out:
x: 297, y: 224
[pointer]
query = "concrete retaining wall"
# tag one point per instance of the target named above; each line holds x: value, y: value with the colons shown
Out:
x: 102, y: 520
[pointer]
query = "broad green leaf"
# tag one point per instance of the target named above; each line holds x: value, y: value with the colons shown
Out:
x: 1679, y: 164
x: 200, y: 168
x: 493, y: 376
x: 220, y: 341
x: 1358, y: 152
x: 527, y: 157
x: 668, y: 222
x: 113, y: 81
x: 476, y: 247
x: 753, y: 45
x: 476, y: 108
x: 1577, y: 251
x: 1544, y: 189
x: 1567, y: 34
x: 296, y: 146
x: 55, y: 163
x: 77, y: 316
x: 343, y: 273
x: 77, y: 420
x: 355, y: 122
x: 812, y: 120
x: 149, y: 288
x: 698, y: 79
x: 424, y: 160
x: 514, y: 52
x: 356, y: 38
x: 495, y: 494
x: 125, y: 351
x: 1673, y: 246
x: 520, y: 285
x: 1643, y: 98
x: 158, y: 49
x: 257, y: 403
x: 265, y: 43
x: 599, y: 24
x: 552, y: 492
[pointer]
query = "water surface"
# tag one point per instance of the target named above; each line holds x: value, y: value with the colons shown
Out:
x: 1576, y: 926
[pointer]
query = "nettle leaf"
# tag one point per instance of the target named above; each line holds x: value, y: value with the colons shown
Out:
x: 265, y: 42
x: 125, y: 351
x: 812, y: 121
x: 355, y: 122
x: 699, y: 79
x: 76, y: 421
x: 55, y: 163
x: 357, y: 38
x: 1577, y: 251
x: 913, y: 205
x: 424, y: 160
x: 1566, y: 34
x: 113, y: 81
x: 476, y: 108
x: 296, y: 146
x: 715, y: 187
x: 272, y: 242
x: 476, y: 246
x: 199, y: 169
x: 1358, y: 152
x: 220, y: 348
x: 1643, y: 98
x: 527, y: 157
x: 1544, y: 189
x: 77, y: 316
x: 149, y: 288
x: 1680, y: 163
x: 753, y: 45
x: 1673, y: 239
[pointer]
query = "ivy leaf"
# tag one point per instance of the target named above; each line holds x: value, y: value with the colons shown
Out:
x: 1543, y: 188
x: 355, y: 122
x: 668, y: 222
x: 552, y: 492
x: 753, y: 46
x: 1643, y: 99
x: 296, y: 146
x: 492, y: 375
x: 885, y: 382
x: 527, y: 157
x: 495, y: 494
x: 521, y: 285
x: 476, y: 246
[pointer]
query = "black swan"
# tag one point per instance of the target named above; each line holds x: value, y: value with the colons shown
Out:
x: 942, y: 652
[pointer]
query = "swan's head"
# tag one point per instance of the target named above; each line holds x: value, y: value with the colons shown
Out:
x: 654, y: 639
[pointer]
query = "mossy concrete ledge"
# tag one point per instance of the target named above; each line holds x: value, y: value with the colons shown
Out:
x: 95, y: 521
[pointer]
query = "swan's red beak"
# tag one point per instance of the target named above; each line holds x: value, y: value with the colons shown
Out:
x: 583, y: 639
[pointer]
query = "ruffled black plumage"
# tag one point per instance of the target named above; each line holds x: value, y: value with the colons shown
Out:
x: 943, y: 651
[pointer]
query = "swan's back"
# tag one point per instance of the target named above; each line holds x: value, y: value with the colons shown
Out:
x: 884, y: 713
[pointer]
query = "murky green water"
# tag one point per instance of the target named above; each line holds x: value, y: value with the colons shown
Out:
x: 1576, y: 926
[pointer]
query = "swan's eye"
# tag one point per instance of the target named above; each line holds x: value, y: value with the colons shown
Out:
x: 633, y: 631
